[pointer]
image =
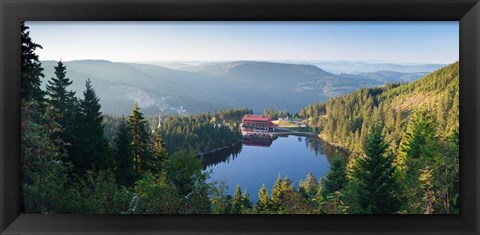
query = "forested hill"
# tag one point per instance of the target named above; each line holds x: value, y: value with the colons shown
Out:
x: 346, y: 120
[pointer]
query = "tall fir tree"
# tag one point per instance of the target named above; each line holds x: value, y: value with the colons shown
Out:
x: 237, y: 200
x: 31, y: 68
x: 138, y: 131
x: 277, y: 195
x: 375, y: 186
x: 263, y: 203
x: 336, y: 178
x: 159, y: 152
x: 123, y: 156
x: 64, y: 104
x: 90, y: 150
x: 420, y: 132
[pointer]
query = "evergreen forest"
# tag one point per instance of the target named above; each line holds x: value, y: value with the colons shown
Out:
x: 402, y: 139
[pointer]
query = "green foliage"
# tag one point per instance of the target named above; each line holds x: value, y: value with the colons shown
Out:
x: 123, y: 157
x: 139, y: 137
x: 277, y: 195
x: 345, y: 120
x: 44, y: 172
x: 263, y: 203
x: 219, y: 198
x: 97, y: 193
x: 419, y: 121
x: 89, y: 149
x: 156, y: 196
x: 202, y: 132
x: 336, y: 178
x: 31, y: 70
x: 184, y: 170
x: 334, y: 203
x: 65, y: 105
x: 159, y: 153
x: 428, y: 166
x: 373, y: 178
x: 275, y: 113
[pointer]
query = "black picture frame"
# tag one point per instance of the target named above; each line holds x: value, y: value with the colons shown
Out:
x: 12, y: 12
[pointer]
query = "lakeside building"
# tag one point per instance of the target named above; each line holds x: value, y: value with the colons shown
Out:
x: 257, y: 125
x: 283, y: 117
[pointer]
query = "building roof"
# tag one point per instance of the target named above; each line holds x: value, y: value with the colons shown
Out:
x: 253, y: 117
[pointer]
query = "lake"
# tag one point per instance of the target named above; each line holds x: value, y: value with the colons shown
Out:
x: 259, y: 161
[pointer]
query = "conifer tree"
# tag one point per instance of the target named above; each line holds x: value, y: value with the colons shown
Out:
x: 90, y: 149
x: 336, y: 178
x: 416, y: 150
x: 159, y: 152
x: 137, y: 125
x: 277, y: 193
x: 246, y: 201
x: 63, y: 102
x: 123, y: 156
x: 237, y: 200
x: 373, y: 176
x: 263, y: 203
x: 31, y: 70
x: 309, y: 186
x: 420, y: 131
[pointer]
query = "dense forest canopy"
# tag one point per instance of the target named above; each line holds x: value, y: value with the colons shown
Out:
x: 403, y: 139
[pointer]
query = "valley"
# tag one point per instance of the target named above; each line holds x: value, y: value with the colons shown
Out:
x: 207, y: 87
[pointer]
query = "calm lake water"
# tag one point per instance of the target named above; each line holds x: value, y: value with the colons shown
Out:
x: 260, y: 161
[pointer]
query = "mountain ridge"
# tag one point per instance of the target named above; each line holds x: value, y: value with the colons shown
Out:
x: 211, y: 87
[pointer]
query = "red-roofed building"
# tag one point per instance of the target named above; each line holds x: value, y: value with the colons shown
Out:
x: 257, y: 124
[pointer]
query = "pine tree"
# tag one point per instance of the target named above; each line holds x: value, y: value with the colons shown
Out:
x: 309, y: 186
x: 64, y: 104
x: 123, y: 155
x: 237, y: 200
x: 415, y: 153
x: 420, y: 131
x: 90, y: 149
x: 246, y: 202
x: 336, y: 178
x: 373, y: 176
x: 277, y: 193
x: 141, y: 152
x: 263, y: 203
x: 31, y: 70
x: 159, y: 152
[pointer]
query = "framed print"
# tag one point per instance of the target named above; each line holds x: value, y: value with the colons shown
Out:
x: 240, y: 117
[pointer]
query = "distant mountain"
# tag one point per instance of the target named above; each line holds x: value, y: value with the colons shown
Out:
x: 213, y: 86
x: 387, y: 76
x: 362, y: 67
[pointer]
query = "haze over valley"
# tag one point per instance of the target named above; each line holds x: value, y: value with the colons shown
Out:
x: 196, y: 87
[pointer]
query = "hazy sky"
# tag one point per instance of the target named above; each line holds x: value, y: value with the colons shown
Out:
x: 401, y: 42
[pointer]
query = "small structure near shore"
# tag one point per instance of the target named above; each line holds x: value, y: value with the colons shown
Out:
x: 257, y: 125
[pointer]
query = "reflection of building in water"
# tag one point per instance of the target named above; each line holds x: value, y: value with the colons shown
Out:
x: 258, y: 140
x: 257, y: 125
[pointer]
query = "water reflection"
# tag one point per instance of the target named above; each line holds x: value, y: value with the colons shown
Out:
x: 259, y: 140
x: 222, y: 156
x: 312, y: 143
x: 260, y: 160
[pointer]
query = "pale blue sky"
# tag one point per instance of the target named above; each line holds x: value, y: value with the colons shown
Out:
x: 400, y: 42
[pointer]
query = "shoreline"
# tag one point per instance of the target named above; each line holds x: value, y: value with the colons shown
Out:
x: 218, y: 149
x: 312, y: 134
x: 342, y: 148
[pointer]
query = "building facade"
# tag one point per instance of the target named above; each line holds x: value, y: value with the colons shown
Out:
x: 254, y: 124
